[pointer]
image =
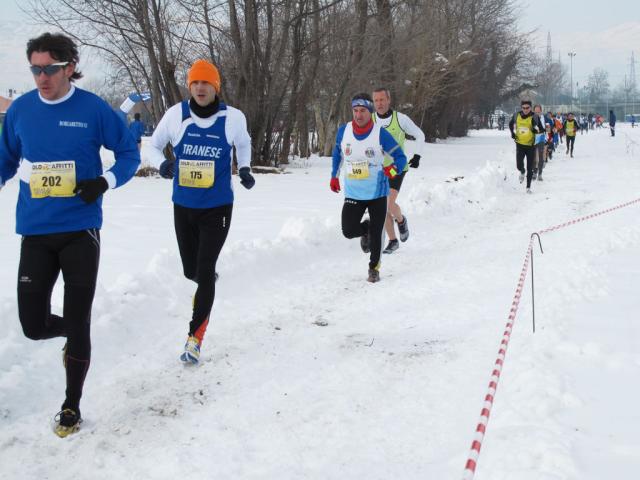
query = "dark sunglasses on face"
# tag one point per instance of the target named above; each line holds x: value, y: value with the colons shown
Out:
x: 526, y: 107
x: 48, y: 70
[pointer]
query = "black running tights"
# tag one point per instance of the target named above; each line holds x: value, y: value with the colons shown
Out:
x: 540, y: 157
x: 353, y: 227
x: 529, y: 152
x: 42, y: 258
x: 201, y: 233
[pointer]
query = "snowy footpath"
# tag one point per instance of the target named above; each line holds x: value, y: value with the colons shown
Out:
x: 310, y: 372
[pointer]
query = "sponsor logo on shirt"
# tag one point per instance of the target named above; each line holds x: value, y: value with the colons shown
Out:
x: 199, y: 163
x: 189, y: 134
x: 347, y: 149
x: 59, y: 165
x: 67, y: 123
x: 369, y: 152
x: 201, y: 150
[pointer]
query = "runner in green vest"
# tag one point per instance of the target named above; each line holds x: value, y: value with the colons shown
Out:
x: 398, y: 125
x: 570, y: 129
x: 524, y: 125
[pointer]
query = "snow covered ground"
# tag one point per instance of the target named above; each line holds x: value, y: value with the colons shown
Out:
x: 309, y: 372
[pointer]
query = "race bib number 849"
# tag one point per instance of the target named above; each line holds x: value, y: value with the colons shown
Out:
x: 358, y: 170
x: 53, y: 179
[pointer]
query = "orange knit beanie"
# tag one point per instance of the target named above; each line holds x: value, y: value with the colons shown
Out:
x: 204, y: 71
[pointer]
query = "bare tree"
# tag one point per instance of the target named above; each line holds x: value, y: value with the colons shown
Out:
x: 292, y: 65
x: 598, y: 84
x: 139, y: 38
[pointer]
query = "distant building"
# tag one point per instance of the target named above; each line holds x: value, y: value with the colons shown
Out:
x: 4, y: 104
x: 530, y: 94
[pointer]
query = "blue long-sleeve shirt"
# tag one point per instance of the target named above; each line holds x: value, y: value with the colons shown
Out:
x: 378, y: 185
x: 71, y: 129
x: 137, y: 130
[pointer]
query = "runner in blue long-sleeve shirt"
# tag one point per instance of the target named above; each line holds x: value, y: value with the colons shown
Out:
x: 51, y: 139
x: 360, y: 147
x: 137, y: 129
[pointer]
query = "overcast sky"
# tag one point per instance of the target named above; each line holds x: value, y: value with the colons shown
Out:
x: 16, y: 29
x: 602, y: 33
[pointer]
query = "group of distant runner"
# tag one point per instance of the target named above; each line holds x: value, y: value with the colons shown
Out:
x: 537, y: 136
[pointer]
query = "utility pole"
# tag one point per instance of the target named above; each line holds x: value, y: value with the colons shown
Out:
x: 548, y: 63
x: 626, y: 97
x: 632, y: 82
x: 632, y: 72
x: 571, y: 55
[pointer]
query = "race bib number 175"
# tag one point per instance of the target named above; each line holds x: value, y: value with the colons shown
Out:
x: 196, y: 173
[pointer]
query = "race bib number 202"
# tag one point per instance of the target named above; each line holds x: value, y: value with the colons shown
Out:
x: 53, y: 179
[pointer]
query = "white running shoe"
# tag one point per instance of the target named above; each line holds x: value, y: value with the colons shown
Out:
x: 191, y: 352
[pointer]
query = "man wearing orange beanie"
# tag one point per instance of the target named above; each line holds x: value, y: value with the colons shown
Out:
x: 203, y: 71
x: 203, y: 132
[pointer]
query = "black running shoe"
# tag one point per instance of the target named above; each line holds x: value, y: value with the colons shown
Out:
x: 403, y: 228
x: 392, y: 246
x: 364, y: 239
x: 67, y: 422
x: 374, y: 275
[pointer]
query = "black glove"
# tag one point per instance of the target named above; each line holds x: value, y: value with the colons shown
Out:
x: 513, y: 135
x: 246, y: 179
x: 415, y: 161
x: 90, y: 190
x: 167, y: 169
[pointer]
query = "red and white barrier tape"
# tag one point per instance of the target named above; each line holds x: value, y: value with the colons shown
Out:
x: 588, y: 217
x: 476, y: 445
